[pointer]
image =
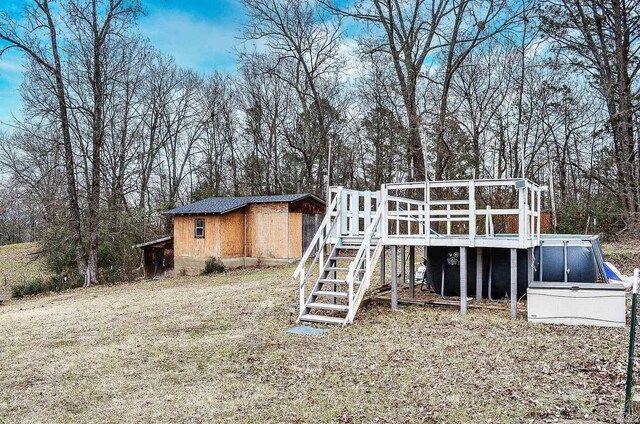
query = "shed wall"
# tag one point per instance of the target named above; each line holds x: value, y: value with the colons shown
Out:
x: 231, y: 234
x: 295, y: 235
x: 271, y: 231
x: 273, y: 235
x: 186, y: 244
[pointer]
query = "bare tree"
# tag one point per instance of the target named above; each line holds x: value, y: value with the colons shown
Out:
x: 90, y: 27
x: 37, y: 38
x: 472, y: 23
x: 601, y: 38
x: 160, y: 82
x: 305, y: 55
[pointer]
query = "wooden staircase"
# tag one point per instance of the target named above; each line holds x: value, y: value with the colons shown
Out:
x: 345, y: 274
x: 328, y: 301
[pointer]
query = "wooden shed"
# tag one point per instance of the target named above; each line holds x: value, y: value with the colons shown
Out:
x: 157, y: 256
x: 244, y: 231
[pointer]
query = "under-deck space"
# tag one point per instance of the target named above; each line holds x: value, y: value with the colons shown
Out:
x: 483, y: 234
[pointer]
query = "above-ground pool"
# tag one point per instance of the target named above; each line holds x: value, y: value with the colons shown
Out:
x: 583, y: 260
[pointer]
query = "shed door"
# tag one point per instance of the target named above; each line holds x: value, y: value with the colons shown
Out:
x: 310, y: 225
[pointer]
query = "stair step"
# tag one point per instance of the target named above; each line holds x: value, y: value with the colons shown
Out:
x: 336, y: 268
x: 354, y: 247
x: 357, y: 238
x: 342, y: 258
x: 332, y: 280
x: 322, y: 319
x: 328, y: 306
x: 331, y: 293
x: 348, y: 247
x: 337, y: 281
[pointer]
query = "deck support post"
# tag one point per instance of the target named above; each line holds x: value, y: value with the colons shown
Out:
x: 479, y: 273
x: 514, y: 282
x: 565, y: 261
x: 463, y: 280
x: 529, y: 266
x: 403, y: 264
x: 426, y: 278
x: 394, y: 277
x: 412, y: 274
x: 382, y: 266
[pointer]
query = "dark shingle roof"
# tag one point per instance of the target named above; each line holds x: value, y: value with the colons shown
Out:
x: 215, y: 205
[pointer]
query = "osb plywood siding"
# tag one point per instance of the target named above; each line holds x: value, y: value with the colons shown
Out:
x: 295, y: 235
x: 251, y: 209
x: 186, y: 244
x: 273, y: 231
x: 231, y: 234
x: 270, y: 231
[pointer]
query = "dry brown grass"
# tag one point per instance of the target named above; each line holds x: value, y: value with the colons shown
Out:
x: 625, y: 255
x: 19, y: 263
x: 209, y: 349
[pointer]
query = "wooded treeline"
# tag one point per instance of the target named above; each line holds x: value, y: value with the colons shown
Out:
x: 113, y: 131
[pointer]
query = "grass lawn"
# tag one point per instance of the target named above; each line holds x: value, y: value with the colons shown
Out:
x: 19, y: 263
x: 205, y: 349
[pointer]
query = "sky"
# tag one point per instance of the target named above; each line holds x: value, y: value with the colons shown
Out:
x: 199, y: 34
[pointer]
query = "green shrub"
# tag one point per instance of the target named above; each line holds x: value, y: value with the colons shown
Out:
x: 574, y: 215
x: 59, y: 250
x: 117, y: 260
x: 111, y: 275
x: 213, y: 266
x: 107, y: 255
x: 42, y: 285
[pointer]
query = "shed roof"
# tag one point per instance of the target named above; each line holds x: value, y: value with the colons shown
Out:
x: 162, y: 241
x: 220, y: 205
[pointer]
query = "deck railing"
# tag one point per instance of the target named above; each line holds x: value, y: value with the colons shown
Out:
x: 461, y: 213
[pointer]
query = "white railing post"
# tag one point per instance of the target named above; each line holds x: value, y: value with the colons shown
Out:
x: 522, y: 193
x: 397, y: 218
x: 321, y: 246
x: 350, y: 281
x: 354, y: 211
x: 427, y: 211
x: 385, y: 214
x: 367, y: 212
x: 343, y: 213
x: 539, y: 217
x: 532, y: 215
x: 472, y: 213
x: 302, y: 292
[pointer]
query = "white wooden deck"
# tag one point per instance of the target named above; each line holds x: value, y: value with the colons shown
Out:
x: 443, y: 213
x: 462, y: 214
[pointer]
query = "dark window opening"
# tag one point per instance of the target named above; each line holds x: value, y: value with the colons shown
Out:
x: 199, y: 233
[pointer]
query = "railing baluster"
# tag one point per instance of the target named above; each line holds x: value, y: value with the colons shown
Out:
x: 539, y: 217
x: 472, y: 213
x: 427, y: 205
x: 302, y: 291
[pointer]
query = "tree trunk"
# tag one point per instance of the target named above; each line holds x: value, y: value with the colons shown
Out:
x: 70, y: 168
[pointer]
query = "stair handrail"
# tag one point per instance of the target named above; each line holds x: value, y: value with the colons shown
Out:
x: 365, y: 247
x: 319, y: 233
x: 320, y: 238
